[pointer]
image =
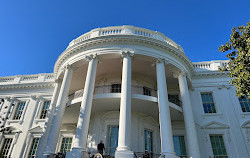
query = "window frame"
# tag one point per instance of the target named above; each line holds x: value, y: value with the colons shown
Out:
x: 214, y: 102
x: 152, y: 140
x: 13, y: 110
x: 246, y: 112
x: 115, y: 88
x: 31, y: 143
x: 147, y: 89
x: 225, y: 145
x: 11, y: 146
x: 185, y: 142
x: 64, y: 135
x: 41, y: 109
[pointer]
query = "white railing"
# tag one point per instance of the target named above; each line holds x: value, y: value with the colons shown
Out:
x: 210, y: 65
x: 125, y: 30
x: 134, y: 90
x: 7, y: 79
x: 26, y: 78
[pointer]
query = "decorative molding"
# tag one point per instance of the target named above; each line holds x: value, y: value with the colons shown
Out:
x: 23, y: 86
x: 178, y: 73
x: 125, y: 54
x: 37, y: 129
x: 220, y: 86
x: 91, y: 56
x: 215, y: 125
x: 122, y: 38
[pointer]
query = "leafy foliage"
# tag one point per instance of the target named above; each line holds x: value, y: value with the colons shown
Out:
x: 239, y: 55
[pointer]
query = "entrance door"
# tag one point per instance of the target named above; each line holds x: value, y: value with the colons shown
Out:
x: 112, y: 140
x: 148, y: 140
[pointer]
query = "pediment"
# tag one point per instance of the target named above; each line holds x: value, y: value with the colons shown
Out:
x: 12, y: 129
x: 246, y: 124
x: 36, y: 129
x: 215, y: 125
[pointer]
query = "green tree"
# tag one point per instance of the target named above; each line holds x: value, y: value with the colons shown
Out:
x: 238, y: 49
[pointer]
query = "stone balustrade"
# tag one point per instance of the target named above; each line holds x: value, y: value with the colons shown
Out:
x: 134, y: 90
x: 125, y: 30
x: 27, y: 78
x: 210, y: 65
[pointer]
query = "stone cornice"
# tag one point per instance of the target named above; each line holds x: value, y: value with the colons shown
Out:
x: 27, y: 86
x: 211, y: 74
x: 123, y: 39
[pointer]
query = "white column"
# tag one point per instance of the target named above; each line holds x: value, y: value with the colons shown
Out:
x: 80, y: 142
x: 191, y: 136
x: 167, y: 147
x: 60, y: 108
x: 51, y: 112
x: 123, y: 150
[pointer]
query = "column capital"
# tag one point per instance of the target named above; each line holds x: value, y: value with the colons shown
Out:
x: 91, y: 56
x: 125, y: 54
x: 68, y: 66
x: 179, y: 73
x: 160, y: 60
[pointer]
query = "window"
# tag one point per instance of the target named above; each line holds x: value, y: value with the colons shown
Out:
x: 32, y: 153
x: 112, y: 141
x: 179, y: 146
x: 208, y: 103
x: 19, y: 111
x: 245, y: 104
x: 45, y: 109
x: 6, y: 147
x: 148, y: 139
x: 116, y: 88
x: 66, y: 144
x: 147, y: 91
x: 218, y: 146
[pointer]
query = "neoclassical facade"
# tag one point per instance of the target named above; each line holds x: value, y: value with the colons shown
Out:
x: 132, y: 88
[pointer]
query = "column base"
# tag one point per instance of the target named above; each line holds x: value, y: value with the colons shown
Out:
x: 168, y: 155
x: 77, y: 153
x: 124, y: 154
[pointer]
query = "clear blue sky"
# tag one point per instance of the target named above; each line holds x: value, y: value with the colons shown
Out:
x: 33, y: 33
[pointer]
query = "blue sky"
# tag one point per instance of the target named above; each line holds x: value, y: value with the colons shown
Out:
x: 33, y: 33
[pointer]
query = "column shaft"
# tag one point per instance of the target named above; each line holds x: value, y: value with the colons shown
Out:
x: 79, y: 146
x: 167, y: 146
x: 192, y: 141
x: 123, y: 149
x: 59, y: 112
x: 51, y: 112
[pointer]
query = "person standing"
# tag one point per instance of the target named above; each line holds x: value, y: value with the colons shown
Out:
x: 100, y: 147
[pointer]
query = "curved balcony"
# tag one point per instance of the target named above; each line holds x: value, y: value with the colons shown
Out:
x: 141, y: 90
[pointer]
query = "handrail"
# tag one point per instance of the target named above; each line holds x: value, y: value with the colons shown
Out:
x: 134, y: 90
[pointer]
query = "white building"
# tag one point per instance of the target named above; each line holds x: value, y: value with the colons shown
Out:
x: 133, y: 88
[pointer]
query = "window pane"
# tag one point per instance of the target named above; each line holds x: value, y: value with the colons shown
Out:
x: 112, y: 141
x: 45, y: 109
x: 147, y: 91
x: 148, y: 136
x: 218, y: 146
x: 179, y: 146
x: 66, y: 145
x: 116, y: 88
x: 245, y: 104
x: 19, y: 111
x: 6, y: 147
x: 208, y: 103
x: 32, y: 153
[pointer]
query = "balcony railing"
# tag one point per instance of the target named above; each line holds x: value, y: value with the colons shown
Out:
x: 125, y: 30
x: 134, y: 89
